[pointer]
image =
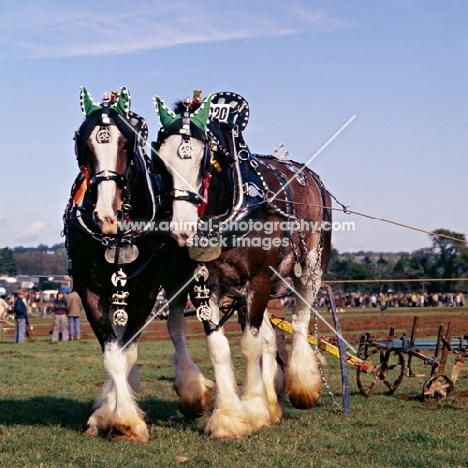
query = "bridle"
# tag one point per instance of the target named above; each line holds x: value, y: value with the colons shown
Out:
x: 185, y: 151
x: 134, y: 128
x: 106, y: 118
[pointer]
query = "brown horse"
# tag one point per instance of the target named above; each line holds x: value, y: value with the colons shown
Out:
x: 118, y: 262
x: 251, y: 222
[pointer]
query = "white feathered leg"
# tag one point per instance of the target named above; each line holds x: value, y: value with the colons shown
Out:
x: 273, y: 377
x: 254, y: 394
x: 117, y: 412
x: 190, y: 384
x: 229, y: 418
x: 303, y: 381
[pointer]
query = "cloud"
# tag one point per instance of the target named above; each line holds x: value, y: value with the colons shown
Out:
x: 148, y: 26
x: 33, y: 232
x: 321, y: 22
x: 47, y: 101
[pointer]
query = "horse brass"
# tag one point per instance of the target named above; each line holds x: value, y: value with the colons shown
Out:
x: 205, y: 254
x: 127, y: 254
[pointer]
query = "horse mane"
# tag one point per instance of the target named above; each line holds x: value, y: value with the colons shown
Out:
x: 180, y: 108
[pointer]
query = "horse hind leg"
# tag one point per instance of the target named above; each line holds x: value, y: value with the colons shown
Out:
x: 303, y: 380
x: 273, y: 376
x: 190, y: 385
x: 117, y: 413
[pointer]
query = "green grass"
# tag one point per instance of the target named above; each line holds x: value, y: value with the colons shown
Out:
x: 47, y: 393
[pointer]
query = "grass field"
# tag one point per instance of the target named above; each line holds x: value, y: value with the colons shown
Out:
x: 47, y: 393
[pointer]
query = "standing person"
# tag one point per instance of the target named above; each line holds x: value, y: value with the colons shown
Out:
x: 383, y: 302
x: 60, y: 309
x: 21, y: 316
x: 3, y: 312
x: 74, y: 311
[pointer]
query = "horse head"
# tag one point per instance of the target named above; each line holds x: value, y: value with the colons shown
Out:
x: 105, y: 144
x: 184, y: 149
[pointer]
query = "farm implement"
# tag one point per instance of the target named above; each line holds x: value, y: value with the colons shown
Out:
x: 387, y: 362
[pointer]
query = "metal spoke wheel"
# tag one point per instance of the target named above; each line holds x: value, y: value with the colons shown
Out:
x: 385, y: 366
x: 437, y: 387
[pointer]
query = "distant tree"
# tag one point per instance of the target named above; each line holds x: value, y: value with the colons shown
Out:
x: 347, y: 267
x: 42, y: 261
x: 451, y: 254
x: 7, y: 262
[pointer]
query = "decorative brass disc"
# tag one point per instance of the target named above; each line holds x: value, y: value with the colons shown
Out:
x: 127, y: 254
x: 204, y: 254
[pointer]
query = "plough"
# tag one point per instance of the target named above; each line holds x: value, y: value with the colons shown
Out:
x: 384, y: 361
x: 388, y: 363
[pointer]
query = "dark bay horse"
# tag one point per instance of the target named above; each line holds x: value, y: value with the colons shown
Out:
x: 118, y: 262
x: 252, y: 223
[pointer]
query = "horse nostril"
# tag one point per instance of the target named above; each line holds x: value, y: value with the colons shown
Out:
x: 119, y: 214
x: 95, y: 215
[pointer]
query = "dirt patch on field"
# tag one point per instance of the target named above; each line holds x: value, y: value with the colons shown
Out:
x: 428, y: 325
x: 353, y: 323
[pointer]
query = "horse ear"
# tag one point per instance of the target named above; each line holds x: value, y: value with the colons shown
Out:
x: 201, y: 115
x: 166, y: 115
x: 123, y: 103
x: 86, y: 102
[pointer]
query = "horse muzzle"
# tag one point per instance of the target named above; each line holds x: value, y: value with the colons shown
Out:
x: 108, y: 223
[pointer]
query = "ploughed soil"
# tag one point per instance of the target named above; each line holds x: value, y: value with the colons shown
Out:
x: 353, y: 323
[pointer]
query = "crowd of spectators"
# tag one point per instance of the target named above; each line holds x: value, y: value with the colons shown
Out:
x: 425, y: 299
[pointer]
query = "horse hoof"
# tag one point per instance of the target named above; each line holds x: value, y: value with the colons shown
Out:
x: 92, y: 431
x: 195, y: 411
x: 124, y: 432
x: 227, y: 426
x: 304, y: 401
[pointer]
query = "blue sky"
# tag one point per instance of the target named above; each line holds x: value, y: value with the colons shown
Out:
x: 305, y: 67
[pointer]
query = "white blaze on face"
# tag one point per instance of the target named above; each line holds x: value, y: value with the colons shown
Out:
x: 186, y: 174
x: 108, y: 204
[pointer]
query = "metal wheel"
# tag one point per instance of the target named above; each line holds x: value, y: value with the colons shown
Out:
x: 437, y: 387
x: 385, y: 366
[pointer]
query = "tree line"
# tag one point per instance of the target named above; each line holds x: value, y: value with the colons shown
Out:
x: 40, y: 260
x: 446, y: 258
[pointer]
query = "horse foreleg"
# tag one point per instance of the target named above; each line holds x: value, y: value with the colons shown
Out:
x: 116, y: 411
x: 303, y: 381
x: 254, y: 394
x: 229, y: 418
x: 190, y: 384
x: 273, y: 375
